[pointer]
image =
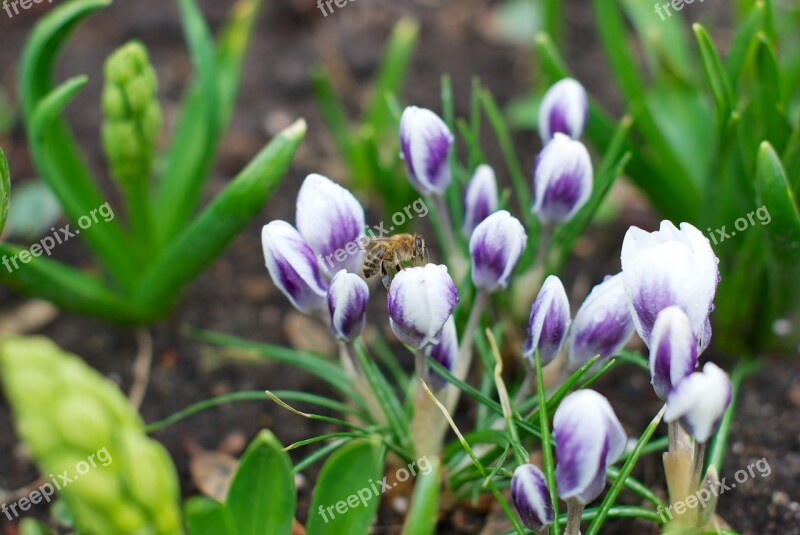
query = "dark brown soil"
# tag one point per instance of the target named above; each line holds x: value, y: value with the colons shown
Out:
x: 235, y: 295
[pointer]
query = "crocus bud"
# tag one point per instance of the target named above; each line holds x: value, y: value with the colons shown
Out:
x: 425, y: 143
x: 669, y: 267
x: 132, y: 114
x: 589, y: 438
x: 480, y: 198
x: 562, y: 180
x: 602, y: 325
x: 699, y: 401
x: 292, y: 267
x: 548, y: 322
x: 531, y: 497
x: 331, y: 220
x: 347, y: 303
x: 495, y: 248
x: 420, y: 301
x: 564, y: 109
x: 673, y: 350
x: 445, y: 352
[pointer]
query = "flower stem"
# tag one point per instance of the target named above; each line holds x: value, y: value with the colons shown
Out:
x: 447, y: 225
x: 574, y: 510
x: 419, y: 365
x: 464, y: 360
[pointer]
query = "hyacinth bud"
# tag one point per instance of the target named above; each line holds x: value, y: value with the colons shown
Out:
x: 495, y: 248
x: 445, y: 352
x: 603, y: 324
x: 588, y: 438
x: 347, y: 303
x: 699, y: 401
x: 564, y: 109
x: 132, y: 114
x: 673, y: 350
x: 421, y: 299
x: 331, y: 220
x: 425, y: 142
x: 480, y: 198
x: 669, y: 267
x: 562, y: 180
x: 531, y: 497
x: 548, y: 322
x: 293, y: 267
x: 77, y: 423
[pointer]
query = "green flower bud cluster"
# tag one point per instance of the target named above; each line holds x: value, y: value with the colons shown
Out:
x: 119, y: 481
x: 132, y: 113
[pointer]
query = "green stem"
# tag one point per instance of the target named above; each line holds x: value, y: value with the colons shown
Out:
x: 547, y: 447
x: 464, y: 360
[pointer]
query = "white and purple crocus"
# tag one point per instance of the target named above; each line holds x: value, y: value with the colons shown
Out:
x: 564, y: 109
x: 673, y: 350
x: 699, y: 401
x: 602, y: 325
x: 421, y: 300
x: 480, y: 198
x: 562, y: 179
x: 495, y: 248
x: 588, y: 439
x: 347, y: 304
x: 425, y: 142
x: 531, y: 497
x: 445, y: 351
x: 548, y: 322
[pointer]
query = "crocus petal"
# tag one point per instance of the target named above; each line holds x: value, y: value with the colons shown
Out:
x: 588, y: 438
x: 331, y: 220
x: 445, y: 352
x: 420, y: 301
x: 425, y: 143
x: 700, y: 401
x: 480, y: 198
x: 293, y: 267
x: 495, y: 248
x: 673, y: 350
x: 564, y: 109
x: 603, y: 324
x: 562, y: 180
x: 531, y: 497
x: 548, y: 322
x: 669, y: 267
x: 347, y: 304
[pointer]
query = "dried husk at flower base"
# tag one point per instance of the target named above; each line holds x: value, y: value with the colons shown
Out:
x: 67, y: 413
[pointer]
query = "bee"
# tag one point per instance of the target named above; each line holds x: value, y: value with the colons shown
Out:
x: 390, y: 252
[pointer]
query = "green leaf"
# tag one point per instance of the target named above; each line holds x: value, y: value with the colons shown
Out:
x: 743, y: 44
x: 715, y: 75
x: 347, y: 494
x: 194, y: 143
x: 30, y: 526
x: 205, y: 516
x: 5, y: 189
x: 422, y: 516
x: 227, y: 215
x: 262, y: 496
x: 613, y: 35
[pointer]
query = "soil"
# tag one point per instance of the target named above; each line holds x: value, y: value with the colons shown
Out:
x: 235, y: 295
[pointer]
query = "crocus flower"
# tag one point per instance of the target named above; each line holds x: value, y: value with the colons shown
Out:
x: 673, y: 350
x: 420, y: 301
x: 331, y: 220
x: 531, y: 497
x: 562, y: 179
x: 425, y: 143
x: 293, y: 267
x: 495, y: 248
x: 564, y: 109
x: 669, y: 267
x: 699, y: 401
x: 480, y: 198
x: 589, y: 438
x: 445, y: 352
x: 548, y: 322
x: 603, y: 324
x: 347, y: 303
